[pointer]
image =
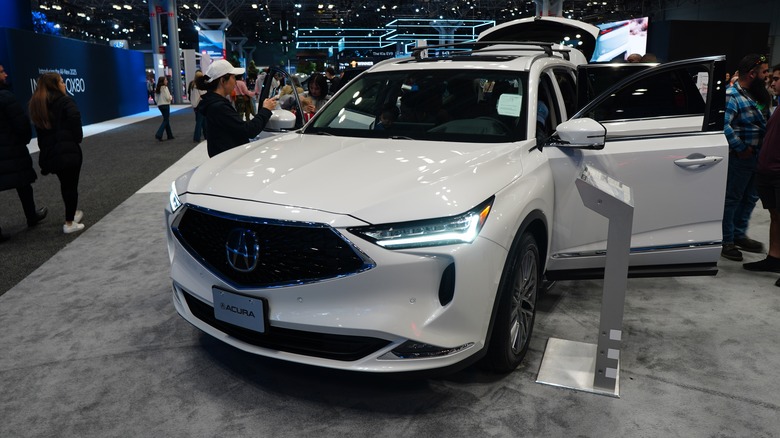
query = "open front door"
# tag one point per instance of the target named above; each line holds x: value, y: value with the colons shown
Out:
x: 664, y: 139
x: 280, y: 83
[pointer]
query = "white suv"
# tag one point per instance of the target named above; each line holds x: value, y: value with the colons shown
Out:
x: 411, y: 223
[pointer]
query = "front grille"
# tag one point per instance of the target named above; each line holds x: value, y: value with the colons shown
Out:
x: 327, y: 346
x: 289, y: 252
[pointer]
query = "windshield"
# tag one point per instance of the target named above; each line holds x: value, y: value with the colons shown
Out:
x: 445, y: 105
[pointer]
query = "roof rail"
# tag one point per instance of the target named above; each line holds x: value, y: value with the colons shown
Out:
x: 543, y: 46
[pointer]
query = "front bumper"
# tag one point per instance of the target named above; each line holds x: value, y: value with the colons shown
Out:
x: 357, y: 322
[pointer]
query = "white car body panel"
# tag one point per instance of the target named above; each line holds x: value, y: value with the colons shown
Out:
x: 404, y: 282
x: 661, y: 223
x: 380, y: 177
x: 397, y: 300
x: 660, y: 126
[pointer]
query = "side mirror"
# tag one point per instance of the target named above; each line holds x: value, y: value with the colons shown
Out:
x: 281, y: 120
x: 579, y: 134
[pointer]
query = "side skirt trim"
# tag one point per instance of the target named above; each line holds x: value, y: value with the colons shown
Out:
x: 686, y: 270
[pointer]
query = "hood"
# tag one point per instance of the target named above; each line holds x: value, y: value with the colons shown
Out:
x: 375, y: 180
x: 558, y: 30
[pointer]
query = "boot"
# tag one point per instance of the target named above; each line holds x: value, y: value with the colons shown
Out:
x: 40, y: 214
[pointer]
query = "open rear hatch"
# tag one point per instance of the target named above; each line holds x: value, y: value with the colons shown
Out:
x: 558, y: 30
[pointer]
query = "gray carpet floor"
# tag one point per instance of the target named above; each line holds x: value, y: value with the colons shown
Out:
x: 116, y: 164
x: 92, y: 347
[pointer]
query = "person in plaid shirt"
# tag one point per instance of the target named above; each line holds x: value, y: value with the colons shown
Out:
x: 745, y: 126
x: 768, y: 186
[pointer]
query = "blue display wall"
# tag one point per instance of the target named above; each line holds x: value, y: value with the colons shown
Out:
x: 16, y: 15
x: 106, y: 83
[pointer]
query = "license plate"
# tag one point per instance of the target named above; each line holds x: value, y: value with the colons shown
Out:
x: 246, y: 312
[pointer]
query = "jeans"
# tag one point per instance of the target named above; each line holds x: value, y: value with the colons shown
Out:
x: 166, y: 125
x: 253, y: 108
x: 741, y: 197
x: 200, y: 126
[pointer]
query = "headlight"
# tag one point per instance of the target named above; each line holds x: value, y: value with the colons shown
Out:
x: 174, y: 198
x: 463, y: 228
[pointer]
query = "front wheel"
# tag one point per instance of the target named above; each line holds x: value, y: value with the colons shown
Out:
x: 517, y: 307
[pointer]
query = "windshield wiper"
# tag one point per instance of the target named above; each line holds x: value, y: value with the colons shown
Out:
x: 324, y: 133
x: 400, y: 137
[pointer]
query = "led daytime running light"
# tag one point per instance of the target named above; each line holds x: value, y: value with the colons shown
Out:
x: 446, y: 231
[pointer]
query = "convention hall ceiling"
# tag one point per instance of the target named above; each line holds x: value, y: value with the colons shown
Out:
x: 277, y: 20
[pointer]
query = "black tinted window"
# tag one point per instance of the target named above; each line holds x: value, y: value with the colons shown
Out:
x: 594, y: 79
x: 664, y: 94
x: 463, y: 105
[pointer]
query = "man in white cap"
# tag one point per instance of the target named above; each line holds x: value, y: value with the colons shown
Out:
x: 225, y: 129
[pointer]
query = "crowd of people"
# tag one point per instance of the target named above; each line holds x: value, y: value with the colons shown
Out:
x: 242, y: 97
x: 224, y: 101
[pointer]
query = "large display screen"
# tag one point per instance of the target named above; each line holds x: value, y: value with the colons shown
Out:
x: 212, y: 42
x: 618, y: 39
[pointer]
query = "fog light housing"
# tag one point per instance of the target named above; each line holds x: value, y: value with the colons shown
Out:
x: 419, y: 350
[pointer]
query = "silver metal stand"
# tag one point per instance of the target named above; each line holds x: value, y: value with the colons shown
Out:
x: 588, y: 367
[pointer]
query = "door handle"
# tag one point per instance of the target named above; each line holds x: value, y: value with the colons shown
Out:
x: 697, y: 161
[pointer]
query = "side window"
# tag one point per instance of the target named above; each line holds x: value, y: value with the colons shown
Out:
x: 668, y: 93
x: 565, y: 80
x: 548, y: 113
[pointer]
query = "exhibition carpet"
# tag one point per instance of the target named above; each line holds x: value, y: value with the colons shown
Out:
x: 93, y: 347
x: 120, y: 156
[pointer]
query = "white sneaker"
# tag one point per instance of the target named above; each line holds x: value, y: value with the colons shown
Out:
x: 77, y: 217
x: 75, y: 227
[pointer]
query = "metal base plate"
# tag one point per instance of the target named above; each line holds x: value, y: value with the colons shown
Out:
x: 571, y: 364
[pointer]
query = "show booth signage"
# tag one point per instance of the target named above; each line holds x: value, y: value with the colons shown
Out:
x: 107, y: 83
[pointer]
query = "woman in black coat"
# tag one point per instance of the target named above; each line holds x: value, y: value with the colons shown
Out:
x: 16, y: 169
x: 58, y: 122
x: 224, y: 126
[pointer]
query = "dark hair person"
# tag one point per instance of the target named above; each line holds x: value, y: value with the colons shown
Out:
x: 58, y: 122
x: 225, y: 127
x: 16, y: 166
x: 164, y: 99
x: 318, y: 90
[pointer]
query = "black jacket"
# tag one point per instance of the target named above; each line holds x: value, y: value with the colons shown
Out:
x: 225, y: 128
x: 59, y: 145
x: 16, y: 167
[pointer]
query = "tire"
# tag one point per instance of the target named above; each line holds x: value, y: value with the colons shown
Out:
x: 514, y: 323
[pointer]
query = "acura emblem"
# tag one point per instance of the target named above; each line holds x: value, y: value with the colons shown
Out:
x: 243, y: 249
